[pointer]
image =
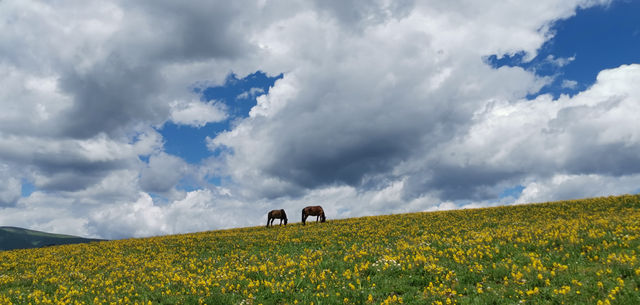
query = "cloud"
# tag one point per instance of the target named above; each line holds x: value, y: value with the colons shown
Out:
x: 565, y: 187
x: 138, y: 218
x: 384, y: 107
x: 84, y: 84
x: 406, y: 85
x: 83, y: 87
x: 106, y: 67
x: 198, y: 210
x: 569, y: 84
x: 197, y: 114
x: 559, y: 62
x: 72, y: 164
x: 11, y: 188
x: 366, y: 127
x: 359, y: 14
x: 68, y: 211
x: 42, y: 218
x: 591, y: 133
x: 250, y: 93
x: 162, y: 173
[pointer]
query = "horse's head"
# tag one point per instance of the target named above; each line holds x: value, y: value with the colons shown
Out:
x: 322, y: 218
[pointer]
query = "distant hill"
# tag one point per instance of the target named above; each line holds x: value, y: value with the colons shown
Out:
x: 19, y: 238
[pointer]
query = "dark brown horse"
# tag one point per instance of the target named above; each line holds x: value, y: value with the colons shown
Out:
x: 313, y: 211
x: 280, y: 214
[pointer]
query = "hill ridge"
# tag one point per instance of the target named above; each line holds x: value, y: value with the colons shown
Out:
x: 12, y: 238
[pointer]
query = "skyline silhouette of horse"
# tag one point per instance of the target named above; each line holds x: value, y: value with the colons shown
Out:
x: 279, y: 214
x: 313, y: 211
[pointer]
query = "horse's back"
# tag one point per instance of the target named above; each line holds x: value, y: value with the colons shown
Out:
x: 277, y: 214
x: 313, y: 210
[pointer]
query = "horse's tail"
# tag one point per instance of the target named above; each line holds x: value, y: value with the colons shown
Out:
x: 303, y: 217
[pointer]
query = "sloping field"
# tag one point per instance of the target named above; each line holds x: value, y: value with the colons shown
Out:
x: 572, y: 252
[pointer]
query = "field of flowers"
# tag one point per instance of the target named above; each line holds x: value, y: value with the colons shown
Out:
x: 570, y: 252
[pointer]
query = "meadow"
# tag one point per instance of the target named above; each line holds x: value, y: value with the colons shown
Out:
x: 569, y: 252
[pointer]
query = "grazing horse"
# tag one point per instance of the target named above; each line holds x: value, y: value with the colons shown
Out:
x: 280, y: 214
x: 313, y: 211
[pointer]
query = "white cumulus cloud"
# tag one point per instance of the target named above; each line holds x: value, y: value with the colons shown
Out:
x: 197, y: 114
x: 383, y: 107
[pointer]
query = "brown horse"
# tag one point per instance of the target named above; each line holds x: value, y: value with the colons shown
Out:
x: 280, y: 214
x: 313, y: 211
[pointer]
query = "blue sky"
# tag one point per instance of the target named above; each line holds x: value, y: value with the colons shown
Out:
x: 237, y: 94
x: 366, y: 107
x: 595, y: 39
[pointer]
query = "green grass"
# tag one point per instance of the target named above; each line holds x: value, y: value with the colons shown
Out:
x: 569, y: 252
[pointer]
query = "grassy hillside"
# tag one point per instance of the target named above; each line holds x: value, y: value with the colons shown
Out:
x: 570, y: 252
x: 18, y: 238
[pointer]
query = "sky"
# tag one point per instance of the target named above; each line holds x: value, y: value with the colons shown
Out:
x: 130, y: 119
